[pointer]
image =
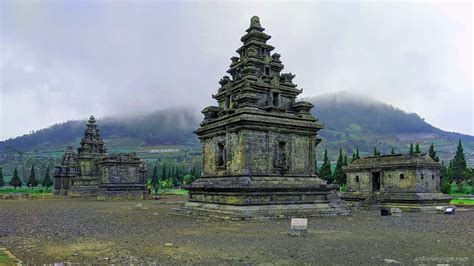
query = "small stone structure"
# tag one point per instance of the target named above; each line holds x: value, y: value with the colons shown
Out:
x: 259, y: 143
x: 406, y: 181
x: 93, y: 172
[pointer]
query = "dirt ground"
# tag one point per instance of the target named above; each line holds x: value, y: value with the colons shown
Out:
x: 104, y: 232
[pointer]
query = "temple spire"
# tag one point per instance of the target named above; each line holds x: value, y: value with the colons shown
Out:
x: 255, y: 24
x: 92, y: 142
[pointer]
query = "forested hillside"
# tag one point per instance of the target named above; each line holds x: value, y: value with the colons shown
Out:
x: 351, y: 121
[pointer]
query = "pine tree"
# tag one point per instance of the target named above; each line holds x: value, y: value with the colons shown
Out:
x: 459, y: 164
x: 353, y: 157
x: 32, y: 181
x: 47, y: 182
x: 417, y: 148
x: 325, y: 171
x: 339, y: 175
x: 445, y: 186
x: 15, y: 181
x: 163, y: 173
x: 375, y: 151
x: 2, y: 181
x: 432, y: 153
x: 155, y: 184
x: 345, y: 163
x: 357, y: 154
x: 411, y: 148
x: 449, y: 172
x: 392, y: 151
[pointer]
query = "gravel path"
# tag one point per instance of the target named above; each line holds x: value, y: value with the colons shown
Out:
x: 90, y: 231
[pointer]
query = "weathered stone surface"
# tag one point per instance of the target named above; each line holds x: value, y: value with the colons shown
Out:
x: 409, y: 181
x: 258, y: 144
x: 93, y: 172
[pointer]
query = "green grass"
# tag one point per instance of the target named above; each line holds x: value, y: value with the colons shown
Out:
x: 462, y: 201
x: 34, y: 191
x: 466, y: 190
x: 173, y: 192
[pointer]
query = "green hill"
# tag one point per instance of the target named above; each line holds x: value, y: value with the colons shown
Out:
x: 351, y: 121
x: 354, y: 121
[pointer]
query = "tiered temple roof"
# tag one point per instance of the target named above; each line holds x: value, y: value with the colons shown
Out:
x: 256, y: 79
x: 92, y: 142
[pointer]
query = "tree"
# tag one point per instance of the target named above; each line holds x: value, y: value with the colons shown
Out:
x: 339, y: 175
x: 47, y: 182
x: 392, y: 151
x: 163, y: 173
x: 432, y: 153
x: 445, y: 186
x: 155, y: 184
x: 32, y: 181
x: 411, y: 148
x: 357, y: 154
x: 375, y: 151
x: 15, y: 181
x: 345, y: 163
x: 417, y: 148
x: 353, y: 157
x: 325, y: 171
x: 188, y: 179
x: 2, y: 181
x: 459, y: 165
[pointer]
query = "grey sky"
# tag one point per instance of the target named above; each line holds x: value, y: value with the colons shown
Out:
x: 64, y: 60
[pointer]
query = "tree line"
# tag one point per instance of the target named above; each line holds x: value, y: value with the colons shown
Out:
x: 32, y: 181
x: 171, y: 177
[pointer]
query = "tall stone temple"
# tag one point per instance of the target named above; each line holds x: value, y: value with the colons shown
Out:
x: 93, y: 172
x: 259, y: 143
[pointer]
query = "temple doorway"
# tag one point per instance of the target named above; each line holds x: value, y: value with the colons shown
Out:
x: 375, y: 181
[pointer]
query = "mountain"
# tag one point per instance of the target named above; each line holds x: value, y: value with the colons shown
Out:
x: 165, y: 127
x: 351, y: 121
x: 356, y: 121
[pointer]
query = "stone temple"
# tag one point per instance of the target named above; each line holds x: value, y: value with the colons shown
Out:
x: 259, y: 143
x: 407, y: 181
x: 93, y: 172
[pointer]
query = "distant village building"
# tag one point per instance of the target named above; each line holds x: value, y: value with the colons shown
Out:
x: 411, y: 181
x: 93, y: 172
x: 258, y: 144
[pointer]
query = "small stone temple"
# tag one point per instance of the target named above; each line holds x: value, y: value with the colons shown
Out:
x: 258, y: 144
x: 93, y: 172
x: 408, y: 181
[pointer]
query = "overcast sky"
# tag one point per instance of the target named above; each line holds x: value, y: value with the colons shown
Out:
x: 63, y: 60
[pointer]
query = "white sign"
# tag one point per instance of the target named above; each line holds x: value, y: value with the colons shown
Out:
x: 299, y: 224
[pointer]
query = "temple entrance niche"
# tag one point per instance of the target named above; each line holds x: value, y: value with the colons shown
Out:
x: 375, y: 181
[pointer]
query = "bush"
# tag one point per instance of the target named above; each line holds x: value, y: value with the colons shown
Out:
x: 445, y: 186
x: 343, y: 188
x: 167, y: 183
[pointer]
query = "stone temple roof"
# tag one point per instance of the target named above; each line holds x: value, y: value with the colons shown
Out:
x: 393, y: 161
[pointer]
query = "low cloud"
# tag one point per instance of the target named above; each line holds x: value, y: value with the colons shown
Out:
x: 67, y: 60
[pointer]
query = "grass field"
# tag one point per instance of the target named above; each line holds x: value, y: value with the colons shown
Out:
x: 466, y: 190
x: 463, y: 201
x: 33, y: 191
x: 173, y: 192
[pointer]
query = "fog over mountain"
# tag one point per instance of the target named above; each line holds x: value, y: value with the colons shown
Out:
x: 66, y: 60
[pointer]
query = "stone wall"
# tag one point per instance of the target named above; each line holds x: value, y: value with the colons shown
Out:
x: 414, y: 180
x: 258, y: 152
